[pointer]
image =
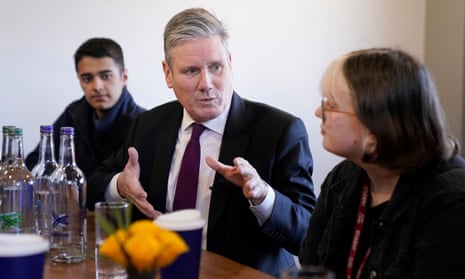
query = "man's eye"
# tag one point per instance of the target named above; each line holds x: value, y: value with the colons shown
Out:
x: 105, y: 76
x: 86, y: 79
x: 215, y: 68
x: 191, y: 71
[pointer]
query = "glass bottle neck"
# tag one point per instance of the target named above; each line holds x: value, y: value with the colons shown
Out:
x: 15, y: 150
x: 5, y: 147
x: 66, y: 150
x: 46, y: 148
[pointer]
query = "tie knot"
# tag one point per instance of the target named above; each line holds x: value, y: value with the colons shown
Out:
x: 197, y: 129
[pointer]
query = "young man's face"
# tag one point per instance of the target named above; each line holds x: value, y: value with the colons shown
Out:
x: 101, y: 81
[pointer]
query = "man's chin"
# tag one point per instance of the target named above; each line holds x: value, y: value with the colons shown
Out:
x: 101, y: 110
x: 101, y: 106
x: 206, y: 115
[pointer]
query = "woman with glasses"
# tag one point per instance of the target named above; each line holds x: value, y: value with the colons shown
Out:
x: 395, y: 208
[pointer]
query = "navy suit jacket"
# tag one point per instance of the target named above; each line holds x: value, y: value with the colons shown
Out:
x: 273, y: 141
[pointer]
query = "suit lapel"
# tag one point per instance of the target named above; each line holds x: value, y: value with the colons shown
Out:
x: 234, y: 143
x: 166, y: 137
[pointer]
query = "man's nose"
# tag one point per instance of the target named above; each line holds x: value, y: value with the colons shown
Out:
x: 205, y: 82
x: 97, y: 84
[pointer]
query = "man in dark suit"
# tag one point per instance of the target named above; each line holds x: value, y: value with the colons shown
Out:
x: 254, y: 186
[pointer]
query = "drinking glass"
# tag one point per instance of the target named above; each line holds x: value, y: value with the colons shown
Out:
x: 307, y: 272
x: 117, y: 214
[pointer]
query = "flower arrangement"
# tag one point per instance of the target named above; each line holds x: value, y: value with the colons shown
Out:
x: 143, y: 247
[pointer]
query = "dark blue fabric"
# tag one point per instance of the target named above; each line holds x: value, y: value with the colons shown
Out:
x: 95, y: 139
x: 273, y: 141
x: 420, y: 233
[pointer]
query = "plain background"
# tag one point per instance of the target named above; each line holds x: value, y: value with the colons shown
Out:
x: 279, y: 49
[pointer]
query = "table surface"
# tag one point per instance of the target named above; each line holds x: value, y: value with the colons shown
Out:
x: 211, y: 265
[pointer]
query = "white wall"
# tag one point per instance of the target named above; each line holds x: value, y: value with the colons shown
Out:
x: 279, y: 48
x: 445, y: 57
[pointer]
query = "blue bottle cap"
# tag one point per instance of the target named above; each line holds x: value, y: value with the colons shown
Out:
x: 46, y: 129
x: 69, y: 131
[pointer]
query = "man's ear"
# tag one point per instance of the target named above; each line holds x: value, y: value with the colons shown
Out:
x: 168, y: 74
x: 124, y: 76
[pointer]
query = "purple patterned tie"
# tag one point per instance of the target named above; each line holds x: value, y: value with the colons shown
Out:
x: 188, y: 179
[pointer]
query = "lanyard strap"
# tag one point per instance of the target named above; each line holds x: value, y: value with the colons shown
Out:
x: 362, y: 208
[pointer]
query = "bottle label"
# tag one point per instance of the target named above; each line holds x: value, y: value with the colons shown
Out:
x: 59, y: 220
x: 59, y: 225
x: 10, y: 221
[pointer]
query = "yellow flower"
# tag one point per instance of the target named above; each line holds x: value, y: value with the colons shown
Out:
x: 144, y: 226
x: 143, y: 246
x: 173, y: 245
x: 112, y: 247
x: 142, y: 250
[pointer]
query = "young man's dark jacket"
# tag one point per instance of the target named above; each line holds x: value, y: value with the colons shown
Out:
x: 95, y: 139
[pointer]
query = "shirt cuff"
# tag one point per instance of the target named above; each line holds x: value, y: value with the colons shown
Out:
x: 111, y: 194
x: 263, y: 211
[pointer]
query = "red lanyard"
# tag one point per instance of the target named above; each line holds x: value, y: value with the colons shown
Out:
x: 362, y: 208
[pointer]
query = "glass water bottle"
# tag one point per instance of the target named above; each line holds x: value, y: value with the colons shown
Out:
x: 68, y: 237
x: 42, y: 173
x: 16, y: 189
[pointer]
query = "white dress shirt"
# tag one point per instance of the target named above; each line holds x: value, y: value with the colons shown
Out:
x: 210, y: 142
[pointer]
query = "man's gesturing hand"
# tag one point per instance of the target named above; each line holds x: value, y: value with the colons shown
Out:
x: 129, y: 186
x: 243, y: 175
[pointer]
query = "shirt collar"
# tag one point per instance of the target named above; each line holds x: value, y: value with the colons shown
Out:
x: 216, y: 125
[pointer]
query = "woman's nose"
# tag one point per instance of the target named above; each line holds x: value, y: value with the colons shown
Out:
x: 319, y: 112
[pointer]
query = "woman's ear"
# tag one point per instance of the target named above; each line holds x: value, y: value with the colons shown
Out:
x: 370, y: 142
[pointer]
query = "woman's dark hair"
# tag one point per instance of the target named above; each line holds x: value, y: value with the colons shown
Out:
x: 395, y: 97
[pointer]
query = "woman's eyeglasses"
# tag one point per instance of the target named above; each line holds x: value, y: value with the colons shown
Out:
x: 326, y: 106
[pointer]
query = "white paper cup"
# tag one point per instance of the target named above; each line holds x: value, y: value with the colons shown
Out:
x: 189, y: 225
x: 22, y: 256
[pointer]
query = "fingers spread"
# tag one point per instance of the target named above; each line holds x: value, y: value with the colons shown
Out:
x: 217, y: 165
x: 146, y: 208
x: 212, y: 163
x: 139, y: 193
x: 133, y: 160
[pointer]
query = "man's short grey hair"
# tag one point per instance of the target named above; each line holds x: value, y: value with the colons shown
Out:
x: 192, y: 24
